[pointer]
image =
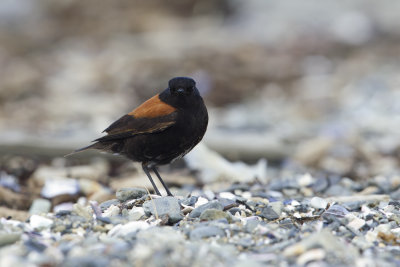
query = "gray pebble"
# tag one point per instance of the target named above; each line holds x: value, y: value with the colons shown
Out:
x: 9, y: 238
x: 205, y: 231
x: 125, y: 194
x: 210, y: 205
x: 106, y: 204
x: 40, y: 206
x: 214, y: 214
x: 269, y: 213
x: 164, y: 206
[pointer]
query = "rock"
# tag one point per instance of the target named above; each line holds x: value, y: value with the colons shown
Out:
x: 128, y: 228
x: 277, y: 207
x: 89, y: 187
x: 106, y: 204
x: 318, y: 203
x: 205, y: 231
x: 125, y: 194
x: 96, y: 171
x: 355, y: 224
x: 336, y: 210
x: 210, y: 205
x: 164, y: 206
x: 316, y: 254
x: 227, y: 203
x: 40, y: 206
x: 8, y: 238
x: 268, y: 213
x: 37, y: 221
x: 111, y: 211
x: 214, y: 214
x: 83, y: 211
x: 61, y: 186
x: 136, y: 213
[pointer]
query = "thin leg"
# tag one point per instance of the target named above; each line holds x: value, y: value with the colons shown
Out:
x: 161, y: 180
x: 146, y: 171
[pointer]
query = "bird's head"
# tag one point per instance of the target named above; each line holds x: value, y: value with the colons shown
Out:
x: 182, y: 86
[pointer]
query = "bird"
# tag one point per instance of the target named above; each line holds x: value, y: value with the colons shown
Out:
x: 160, y: 130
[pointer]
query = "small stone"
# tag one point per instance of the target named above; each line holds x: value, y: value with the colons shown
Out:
x: 353, y: 205
x: 125, y: 194
x: 277, y: 207
x: 268, y: 213
x: 37, y: 221
x: 128, y: 228
x: 214, y: 214
x: 85, y: 212
x: 206, y: 231
x: 336, y: 210
x: 89, y: 187
x: 251, y: 224
x: 316, y: 254
x: 320, y: 185
x: 106, y: 204
x: 210, y: 205
x: 191, y: 201
x: 164, y: 206
x: 318, y: 203
x: 111, y: 211
x: 355, y: 223
x: 227, y: 195
x: 40, y: 206
x: 227, y: 203
x: 9, y: 238
x: 61, y: 186
x: 136, y: 213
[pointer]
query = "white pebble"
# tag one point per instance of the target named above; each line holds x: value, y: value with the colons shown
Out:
x: 355, y: 223
x: 37, y: 221
x: 131, y: 227
x: 316, y: 254
x: 318, y: 203
x: 136, y: 213
x: 227, y: 195
x: 111, y: 211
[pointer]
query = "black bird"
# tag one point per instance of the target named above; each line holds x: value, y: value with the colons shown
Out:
x: 162, y: 129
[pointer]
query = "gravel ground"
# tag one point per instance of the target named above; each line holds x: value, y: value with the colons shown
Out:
x: 299, y: 166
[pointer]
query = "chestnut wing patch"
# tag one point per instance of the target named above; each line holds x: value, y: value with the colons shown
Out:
x: 152, y: 108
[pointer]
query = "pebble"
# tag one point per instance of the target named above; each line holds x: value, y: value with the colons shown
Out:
x: 277, y: 207
x: 164, y: 206
x: 125, y: 194
x: 122, y: 230
x: 40, y: 206
x: 206, y: 231
x: 215, y: 204
x: 269, y: 213
x: 337, y: 211
x: 106, y: 204
x: 355, y: 223
x: 318, y: 203
x: 111, y: 211
x: 136, y: 213
x: 37, y: 221
x: 9, y: 238
x: 61, y: 186
x: 316, y: 254
x: 214, y: 214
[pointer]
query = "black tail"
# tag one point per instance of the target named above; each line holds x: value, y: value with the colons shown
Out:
x: 110, y: 147
x: 92, y: 146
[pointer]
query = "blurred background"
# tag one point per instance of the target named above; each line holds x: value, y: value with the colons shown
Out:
x: 308, y: 86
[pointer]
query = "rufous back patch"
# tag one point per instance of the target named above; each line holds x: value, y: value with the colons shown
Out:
x: 152, y: 108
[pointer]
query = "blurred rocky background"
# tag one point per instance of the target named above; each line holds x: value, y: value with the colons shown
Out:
x: 302, y: 96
